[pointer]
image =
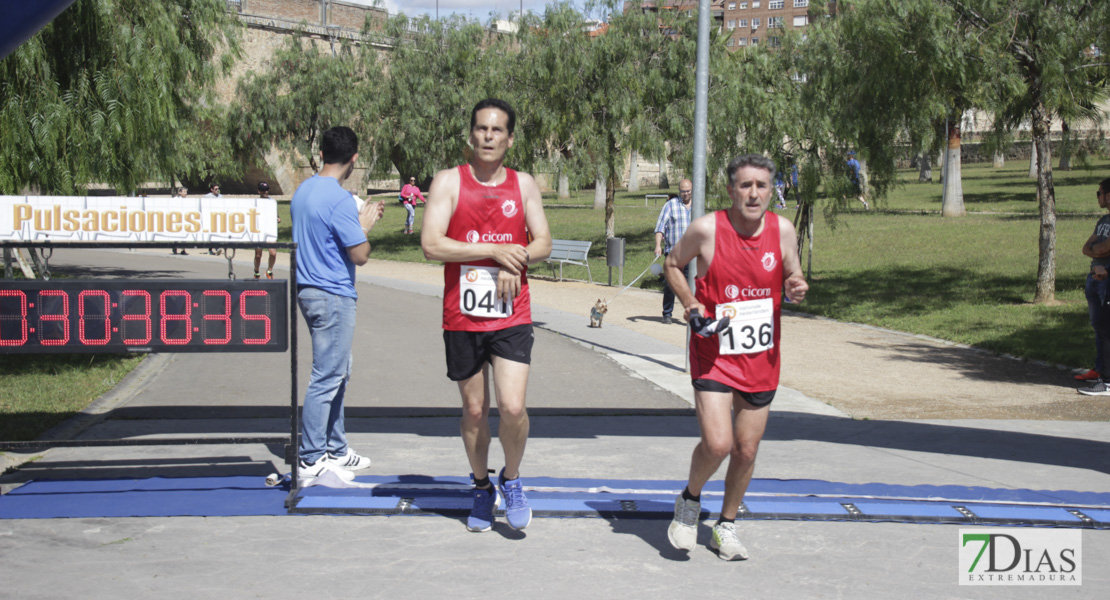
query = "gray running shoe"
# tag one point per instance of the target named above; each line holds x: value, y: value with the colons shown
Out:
x: 1097, y: 388
x: 726, y: 543
x: 683, y: 531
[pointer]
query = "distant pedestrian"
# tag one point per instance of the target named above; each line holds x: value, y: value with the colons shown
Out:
x: 669, y: 228
x: 264, y: 192
x: 1098, y: 249
x: 855, y: 179
x: 213, y: 192
x: 181, y: 192
x: 409, y: 194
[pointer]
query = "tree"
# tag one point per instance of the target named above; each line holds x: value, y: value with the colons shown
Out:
x: 1045, y: 52
x: 304, y: 91
x: 114, y: 91
x: 596, y: 98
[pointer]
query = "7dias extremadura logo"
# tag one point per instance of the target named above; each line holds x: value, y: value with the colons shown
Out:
x: 1021, y: 557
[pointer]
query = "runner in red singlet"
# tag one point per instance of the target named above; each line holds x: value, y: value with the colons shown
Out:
x: 747, y: 258
x: 477, y: 221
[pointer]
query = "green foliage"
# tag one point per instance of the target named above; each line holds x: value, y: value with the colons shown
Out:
x: 113, y: 91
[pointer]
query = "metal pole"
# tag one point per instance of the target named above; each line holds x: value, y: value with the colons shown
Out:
x: 701, y: 118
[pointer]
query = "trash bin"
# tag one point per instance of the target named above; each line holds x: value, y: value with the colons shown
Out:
x: 614, y: 257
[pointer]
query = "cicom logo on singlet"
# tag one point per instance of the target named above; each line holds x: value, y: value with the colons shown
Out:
x: 472, y: 236
x: 769, y: 261
x: 731, y: 292
x: 490, y: 236
x: 508, y: 208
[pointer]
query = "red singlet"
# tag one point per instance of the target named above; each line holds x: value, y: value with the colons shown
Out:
x: 492, y: 214
x: 746, y: 276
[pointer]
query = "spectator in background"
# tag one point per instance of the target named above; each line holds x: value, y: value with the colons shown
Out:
x: 264, y: 192
x: 672, y: 223
x: 854, y: 178
x: 213, y: 192
x: 409, y: 194
x: 1098, y: 250
x: 182, y: 192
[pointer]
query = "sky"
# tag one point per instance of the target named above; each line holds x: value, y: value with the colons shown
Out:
x: 475, y: 9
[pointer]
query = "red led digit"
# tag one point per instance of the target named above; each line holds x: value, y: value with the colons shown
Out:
x: 185, y: 317
x: 224, y: 316
x: 144, y: 301
x: 59, y: 321
x: 82, y: 300
x: 9, y: 299
x: 248, y: 317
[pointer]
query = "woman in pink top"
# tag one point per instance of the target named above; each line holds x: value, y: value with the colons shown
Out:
x: 409, y: 194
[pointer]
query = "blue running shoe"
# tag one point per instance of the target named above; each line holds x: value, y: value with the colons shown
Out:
x: 481, y: 516
x: 517, y: 510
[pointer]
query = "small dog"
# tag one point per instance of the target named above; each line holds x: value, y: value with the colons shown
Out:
x: 597, y: 313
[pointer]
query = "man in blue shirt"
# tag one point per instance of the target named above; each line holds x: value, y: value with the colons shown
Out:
x: 672, y: 223
x: 854, y: 178
x: 330, y: 233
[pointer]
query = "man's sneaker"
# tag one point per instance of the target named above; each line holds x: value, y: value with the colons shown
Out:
x: 349, y: 461
x: 257, y: 276
x: 683, y: 532
x: 1098, y: 388
x: 269, y: 274
x: 481, y: 516
x: 1090, y: 375
x: 517, y: 511
x: 308, y: 472
x: 726, y: 543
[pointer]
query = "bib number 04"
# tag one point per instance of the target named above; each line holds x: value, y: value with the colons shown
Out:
x: 752, y: 326
x: 478, y: 293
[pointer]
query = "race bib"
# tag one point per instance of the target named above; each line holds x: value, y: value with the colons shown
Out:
x: 478, y: 293
x: 751, y: 326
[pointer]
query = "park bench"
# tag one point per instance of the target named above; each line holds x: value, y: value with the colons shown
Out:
x: 655, y: 198
x: 569, y: 252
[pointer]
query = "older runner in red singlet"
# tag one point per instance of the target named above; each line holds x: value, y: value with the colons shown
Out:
x: 747, y: 259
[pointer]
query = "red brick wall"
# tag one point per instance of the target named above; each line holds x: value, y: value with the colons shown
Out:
x: 286, y: 10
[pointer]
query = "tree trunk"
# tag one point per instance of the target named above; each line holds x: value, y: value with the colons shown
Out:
x: 664, y: 183
x: 925, y: 169
x: 999, y: 159
x: 953, y: 205
x: 610, y: 206
x: 600, y: 192
x: 634, y: 172
x: 1046, y: 200
x: 564, y: 186
x: 1065, y: 147
x: 1033, y: 158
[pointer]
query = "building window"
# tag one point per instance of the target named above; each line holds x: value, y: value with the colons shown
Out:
x: 801, y: 3
x: 732, y: 23
x: 755, y: 23
x: 755, y: 41
x: 776, y: 4
x: 742, y: 41
x: 774, y: 42
x: 774, y: 22
x: 755, y: 4
x: 732, y: 6
x: 743, y: 6
x: 743, y: 23
x: 729, y: 42
x: 801, y: 20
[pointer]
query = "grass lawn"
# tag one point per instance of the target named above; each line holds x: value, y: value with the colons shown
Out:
x: 900, y: 266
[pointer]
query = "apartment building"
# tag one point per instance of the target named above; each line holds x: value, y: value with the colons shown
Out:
x: 747, y: 22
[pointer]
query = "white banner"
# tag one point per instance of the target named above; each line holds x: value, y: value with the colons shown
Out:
x: 130, y: 219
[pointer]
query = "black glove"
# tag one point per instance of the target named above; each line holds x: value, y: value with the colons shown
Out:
x: 706, y: 327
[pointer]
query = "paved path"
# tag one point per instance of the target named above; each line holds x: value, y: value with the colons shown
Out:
x: 609, y: 403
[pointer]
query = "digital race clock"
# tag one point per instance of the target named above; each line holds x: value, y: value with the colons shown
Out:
x: 143, y: 315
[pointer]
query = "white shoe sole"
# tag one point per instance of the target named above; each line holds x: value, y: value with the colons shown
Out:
x: 678, y: 530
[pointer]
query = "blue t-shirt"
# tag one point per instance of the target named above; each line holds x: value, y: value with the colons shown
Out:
x: 325, y: 224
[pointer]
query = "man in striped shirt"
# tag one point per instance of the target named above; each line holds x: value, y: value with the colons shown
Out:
x: 672, y: 223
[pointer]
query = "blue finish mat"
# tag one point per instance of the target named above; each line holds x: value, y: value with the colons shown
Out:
x: 552, y: 497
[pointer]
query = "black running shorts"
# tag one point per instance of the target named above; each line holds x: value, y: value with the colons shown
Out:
x: 753, y: 398
x: 468, y: 351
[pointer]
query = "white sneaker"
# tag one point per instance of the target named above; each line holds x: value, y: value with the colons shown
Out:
x: 308, y: 472
x: 351, y: 461
x: 726, y: 543
x: 683, y: 532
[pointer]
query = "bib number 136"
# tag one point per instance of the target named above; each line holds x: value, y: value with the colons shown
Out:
x: 478, y: 293
x: 751, y: 326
